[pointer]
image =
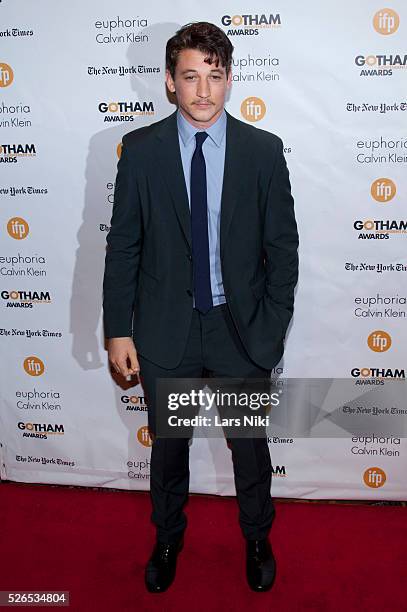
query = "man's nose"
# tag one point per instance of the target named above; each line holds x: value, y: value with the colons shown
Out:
x: 203, y: 89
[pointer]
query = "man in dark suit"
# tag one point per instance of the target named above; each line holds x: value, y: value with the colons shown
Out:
x: 200, y: 271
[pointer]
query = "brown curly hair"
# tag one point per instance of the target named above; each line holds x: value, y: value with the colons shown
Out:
x: 204, y: 36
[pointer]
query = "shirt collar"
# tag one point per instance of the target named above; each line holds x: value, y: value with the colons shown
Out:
x: 187, y: 131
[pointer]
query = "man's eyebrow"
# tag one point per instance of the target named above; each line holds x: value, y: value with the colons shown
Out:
x: 193, y: 70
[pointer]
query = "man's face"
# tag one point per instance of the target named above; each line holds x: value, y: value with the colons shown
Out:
x: 200, y: 87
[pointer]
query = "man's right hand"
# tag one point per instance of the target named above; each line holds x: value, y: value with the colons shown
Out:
x: 121, y: 351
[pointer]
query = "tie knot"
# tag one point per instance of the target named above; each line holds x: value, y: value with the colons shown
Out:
x: 200, y: 138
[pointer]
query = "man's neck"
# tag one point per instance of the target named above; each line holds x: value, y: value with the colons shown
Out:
x: 199, y: 124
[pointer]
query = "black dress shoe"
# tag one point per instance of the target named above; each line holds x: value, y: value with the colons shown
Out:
x: 260, y: 565
x: 160, y: 570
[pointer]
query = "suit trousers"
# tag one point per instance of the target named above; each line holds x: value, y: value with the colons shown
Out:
x: 213, y: 349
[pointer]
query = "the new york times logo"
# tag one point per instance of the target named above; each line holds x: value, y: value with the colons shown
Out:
x: 15, y: 32
x: 122, y: 70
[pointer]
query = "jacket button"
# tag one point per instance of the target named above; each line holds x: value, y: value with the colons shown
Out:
x: 189, y: 257
x: 189, y: 291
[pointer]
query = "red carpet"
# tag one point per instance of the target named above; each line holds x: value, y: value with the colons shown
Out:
x: 95, y: 544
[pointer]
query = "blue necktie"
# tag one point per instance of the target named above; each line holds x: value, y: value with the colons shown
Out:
x: 199, y: 228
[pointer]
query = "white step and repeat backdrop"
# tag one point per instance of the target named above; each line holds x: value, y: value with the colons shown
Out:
x: 330, y: 79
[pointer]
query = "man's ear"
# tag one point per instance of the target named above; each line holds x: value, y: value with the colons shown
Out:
x: 170, y: 81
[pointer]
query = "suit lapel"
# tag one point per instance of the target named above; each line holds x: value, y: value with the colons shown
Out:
x: 236, y: 168
x: 170, y: 164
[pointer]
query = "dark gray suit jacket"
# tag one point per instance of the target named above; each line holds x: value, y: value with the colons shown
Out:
x: 147, y: 285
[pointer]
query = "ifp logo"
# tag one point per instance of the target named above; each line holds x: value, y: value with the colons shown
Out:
x: 253, y: 109
x: 386, y: 21
x: 379, y: 341
x: 374, y: 477
x: 6, y: 75
x: 383, y: 190
x: 18, y: 228
x: 143, y: 436
x: 33, y: 365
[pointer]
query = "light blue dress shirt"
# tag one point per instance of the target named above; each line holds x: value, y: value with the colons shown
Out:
x: 213, y: 149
